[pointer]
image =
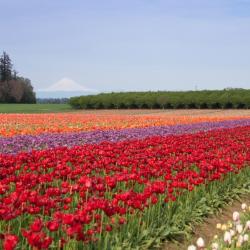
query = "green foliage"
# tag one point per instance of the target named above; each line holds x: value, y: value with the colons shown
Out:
x: 14, y: 89
x: 5, y: 67
x: 212, y: 99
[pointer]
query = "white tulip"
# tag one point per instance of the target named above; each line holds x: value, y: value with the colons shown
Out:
x: 236, y: 216
x: 200, y: 242
x: 192, y: 247
x: 237, y: 222
x: 243, y: 206
x: 227, y: 237
x: 232, y: 232
x: 215, y: 246
x: 239, y: 228
x: 248, y: 224
x: 240, y: 241
x: 245, y: 237
x: 238, y: 244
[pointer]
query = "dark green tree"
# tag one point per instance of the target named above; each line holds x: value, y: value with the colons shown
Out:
x: 29, y: 95
x: 5, y: 67
x: 14, y: 89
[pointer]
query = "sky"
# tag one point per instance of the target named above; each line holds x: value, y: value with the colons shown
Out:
x: 121, y: 45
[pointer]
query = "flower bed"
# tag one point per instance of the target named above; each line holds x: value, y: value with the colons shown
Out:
x: 19, y: 143
x: 120, y: 195
x: 35, y: 124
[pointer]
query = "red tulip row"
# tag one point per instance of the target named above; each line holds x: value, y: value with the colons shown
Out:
x: 59, y: 194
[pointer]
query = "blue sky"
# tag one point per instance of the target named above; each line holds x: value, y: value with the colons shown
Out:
x: 129, y: 44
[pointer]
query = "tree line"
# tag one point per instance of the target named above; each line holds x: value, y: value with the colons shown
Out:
x: 204, y: 99
x: 52, y: 100
x: 14, y: 88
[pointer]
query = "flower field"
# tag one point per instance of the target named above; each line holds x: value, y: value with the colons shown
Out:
x: 108, y: 181
x: 34, y: 124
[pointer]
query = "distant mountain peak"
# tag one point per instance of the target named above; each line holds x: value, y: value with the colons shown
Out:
x: 66, y: 85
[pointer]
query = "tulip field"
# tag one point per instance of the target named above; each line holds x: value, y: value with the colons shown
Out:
x: 116, y: 181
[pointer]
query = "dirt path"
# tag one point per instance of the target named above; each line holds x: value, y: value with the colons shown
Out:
x: 207, y: 230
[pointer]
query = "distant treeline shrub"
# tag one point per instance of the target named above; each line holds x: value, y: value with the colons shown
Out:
x: 205, y: 99
x: 52, y: 100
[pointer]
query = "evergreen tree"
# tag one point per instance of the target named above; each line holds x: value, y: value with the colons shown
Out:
x: 14, y: 89
x: 5, y: 67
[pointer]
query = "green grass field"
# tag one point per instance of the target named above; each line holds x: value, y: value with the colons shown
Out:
x: 34, y: 108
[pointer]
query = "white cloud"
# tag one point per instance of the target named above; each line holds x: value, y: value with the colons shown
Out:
x: 66, y: 85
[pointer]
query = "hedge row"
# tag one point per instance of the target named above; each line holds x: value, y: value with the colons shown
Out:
x: 206, y: 99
